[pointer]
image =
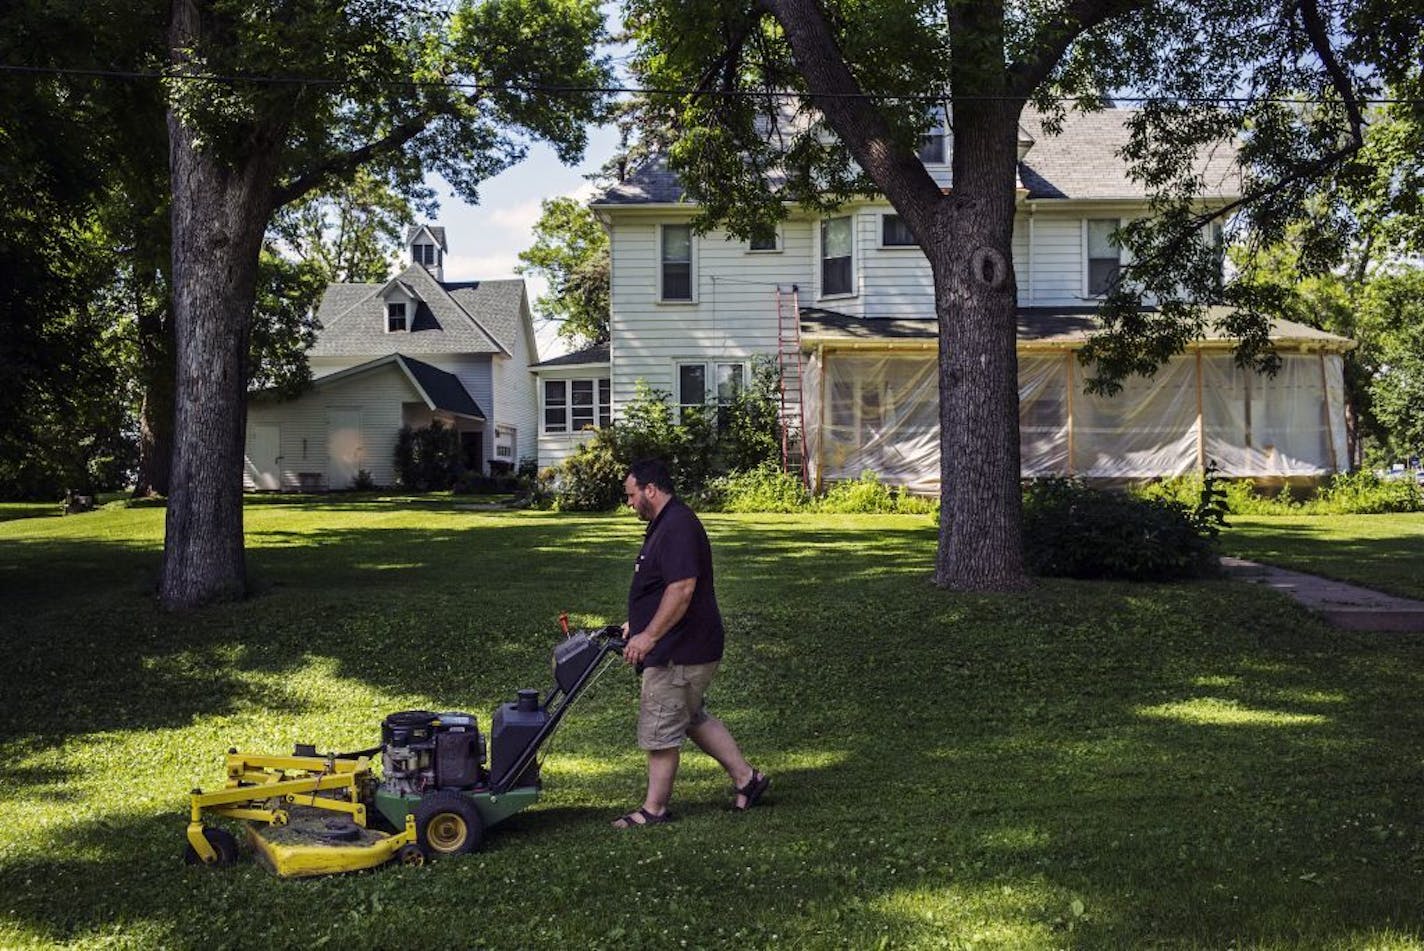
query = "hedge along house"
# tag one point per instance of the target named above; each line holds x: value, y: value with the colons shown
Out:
x: 690, y: 312
x: 407, y: 352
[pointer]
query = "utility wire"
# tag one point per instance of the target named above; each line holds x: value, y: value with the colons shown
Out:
x: 575, y: 90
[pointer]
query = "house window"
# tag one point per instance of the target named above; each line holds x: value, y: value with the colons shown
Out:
x: 556, y: 406
x: 1104, y: 256
x: 572, y: 406
x: 676, y: 271
x: 764, y: 241
x: 426, y: 254
x: 894, y: 233
x: 728, y: 380
x: 836, y: 268
x: 932, y: 142
x: 395, y: 317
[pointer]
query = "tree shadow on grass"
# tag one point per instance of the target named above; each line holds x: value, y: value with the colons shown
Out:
x: 1193, y: 764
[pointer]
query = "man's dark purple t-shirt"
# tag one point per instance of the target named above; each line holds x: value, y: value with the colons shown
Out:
x: 676, y: 548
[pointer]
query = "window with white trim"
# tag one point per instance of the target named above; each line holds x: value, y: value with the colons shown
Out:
x: 1103, y: 256
x: 837, y: 273
x: 767, y: 240
x: 396, y: 320
x: 572, y: 406
x: 426, y: 254
x: 675, y: 276
x: 894, y: 233
x: 700, y: 384
x: 932, y: 149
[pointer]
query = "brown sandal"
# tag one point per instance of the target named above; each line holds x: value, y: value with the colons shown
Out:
x: 649, y: 819
x: 752, y: 791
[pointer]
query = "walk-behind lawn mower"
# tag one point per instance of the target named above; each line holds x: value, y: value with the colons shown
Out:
x: 314, y: 814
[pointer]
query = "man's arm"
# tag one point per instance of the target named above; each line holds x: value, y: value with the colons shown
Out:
x: 673, y: 605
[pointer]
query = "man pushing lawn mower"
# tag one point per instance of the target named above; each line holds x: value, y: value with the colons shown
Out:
x: 676, y: 645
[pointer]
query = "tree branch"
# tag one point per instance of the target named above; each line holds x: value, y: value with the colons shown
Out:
x: 347, y: 162
x: 1056, y: 35
x: 1320, y: 40
x: 835, y: 92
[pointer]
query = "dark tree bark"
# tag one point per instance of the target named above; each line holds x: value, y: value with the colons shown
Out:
x: 155, y: 441
x: 220, y: 214
x: 967, y: 236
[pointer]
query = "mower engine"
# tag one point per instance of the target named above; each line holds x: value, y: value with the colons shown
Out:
x: 424, y: 751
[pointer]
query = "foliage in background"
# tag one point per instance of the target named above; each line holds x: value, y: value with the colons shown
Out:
x: 1359, y: 493
x: 571, y: 252
x: 766, y: 488
x: 868, y: 494
x: 1074, y: 531
x: 352, y: 233
x: 698, y: 443
x: 428, y: 459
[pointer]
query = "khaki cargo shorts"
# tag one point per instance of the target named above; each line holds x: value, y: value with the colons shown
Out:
x: 671, y: 703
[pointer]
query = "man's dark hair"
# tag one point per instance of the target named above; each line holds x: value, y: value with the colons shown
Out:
x: 648, y: 472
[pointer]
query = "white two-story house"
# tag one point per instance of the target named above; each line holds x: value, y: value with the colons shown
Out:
x: 405, y: 352
x: 689, y: 313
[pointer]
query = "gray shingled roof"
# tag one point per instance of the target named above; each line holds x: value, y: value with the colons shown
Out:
x: 598, y: 353
x: 437, y: 233
x: 1082, y: 161
x: 474, y: 317
x: 1053, y: 326
x: 441, y: 389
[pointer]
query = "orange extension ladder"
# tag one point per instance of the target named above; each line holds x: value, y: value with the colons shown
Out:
x: 790, y: 367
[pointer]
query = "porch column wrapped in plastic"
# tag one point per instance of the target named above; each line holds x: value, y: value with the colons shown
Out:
x: 1258, y: 425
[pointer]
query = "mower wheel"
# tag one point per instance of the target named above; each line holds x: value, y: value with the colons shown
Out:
x: 447, y: 823
x: 224, y: 843
x: 411, y: 856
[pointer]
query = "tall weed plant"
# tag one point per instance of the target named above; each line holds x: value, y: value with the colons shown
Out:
x: 1357, y: 493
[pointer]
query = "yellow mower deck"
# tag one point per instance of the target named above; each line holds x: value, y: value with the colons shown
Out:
x: 304, y: 846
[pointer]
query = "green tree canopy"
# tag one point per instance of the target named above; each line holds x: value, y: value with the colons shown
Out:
x: 570, y: 250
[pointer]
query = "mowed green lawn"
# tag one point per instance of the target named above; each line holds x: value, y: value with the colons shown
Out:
x: 1085, y: 765
x: 1379, y: 551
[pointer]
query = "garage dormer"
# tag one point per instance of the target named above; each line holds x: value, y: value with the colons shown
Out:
x: 426, y: 245
x: 400, y: 303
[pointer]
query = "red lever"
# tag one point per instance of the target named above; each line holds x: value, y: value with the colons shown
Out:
x: 564, y: 622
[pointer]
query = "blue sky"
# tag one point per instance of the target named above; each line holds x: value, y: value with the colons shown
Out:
x: 485, y: 239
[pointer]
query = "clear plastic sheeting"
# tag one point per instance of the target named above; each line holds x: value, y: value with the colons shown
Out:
x: 1147, y: 429
x: 1256, y: 425
x: 879, y: 412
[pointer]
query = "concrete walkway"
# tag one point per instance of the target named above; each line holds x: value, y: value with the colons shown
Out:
x: 1343, y: 605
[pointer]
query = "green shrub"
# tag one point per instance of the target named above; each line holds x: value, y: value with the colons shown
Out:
x: 1364, y: 493
x: 428, y: 459
x: 868, y: 494
x: 763, y: 489
x: 591, y: 480
x: 1073, y: 531
x: 1240, y: 495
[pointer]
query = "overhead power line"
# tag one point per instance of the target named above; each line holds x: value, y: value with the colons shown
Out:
x: 553, y: 89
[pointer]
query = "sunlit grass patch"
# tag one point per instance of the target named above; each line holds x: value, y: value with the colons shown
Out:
x: 1212, y: 711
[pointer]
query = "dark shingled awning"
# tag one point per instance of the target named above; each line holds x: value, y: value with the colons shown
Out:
x: 442, y: 389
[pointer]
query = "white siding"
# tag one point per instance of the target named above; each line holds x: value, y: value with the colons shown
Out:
x: 554, y: 448
x: 735, y: 311
x: 1057, y: 278
x: 379, y: 395
x: 516, y: 404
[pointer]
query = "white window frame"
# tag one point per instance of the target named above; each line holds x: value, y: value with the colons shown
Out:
x: 880, y: 234
x: 407, y: 315
x: 1087, y: 260
x: 416, y: 256
x: 602, y: 408
x: 820, y: 262
x: 776, y: 236
x: 691, y: 266
x: 939, y: 130
x: 710, y: 367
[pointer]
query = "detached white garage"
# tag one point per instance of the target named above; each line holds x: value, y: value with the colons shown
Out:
x: 349, y: 422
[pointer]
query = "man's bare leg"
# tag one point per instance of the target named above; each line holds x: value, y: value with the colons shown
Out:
x: 714, y: 739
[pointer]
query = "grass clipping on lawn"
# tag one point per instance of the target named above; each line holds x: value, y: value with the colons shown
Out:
x: 1193, y: 765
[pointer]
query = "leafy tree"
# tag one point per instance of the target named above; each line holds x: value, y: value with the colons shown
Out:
x: 570, y: 250
x: 351, y: 234
x: 864, y: 79
x: 271, y: 102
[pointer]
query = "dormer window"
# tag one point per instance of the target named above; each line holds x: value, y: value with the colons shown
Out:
x: 396, y: 321
x: 932, y: 143
x: 426, y: 254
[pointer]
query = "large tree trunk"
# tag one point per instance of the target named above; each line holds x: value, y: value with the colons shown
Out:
x: 976, y: 301
x: 220, y: 214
